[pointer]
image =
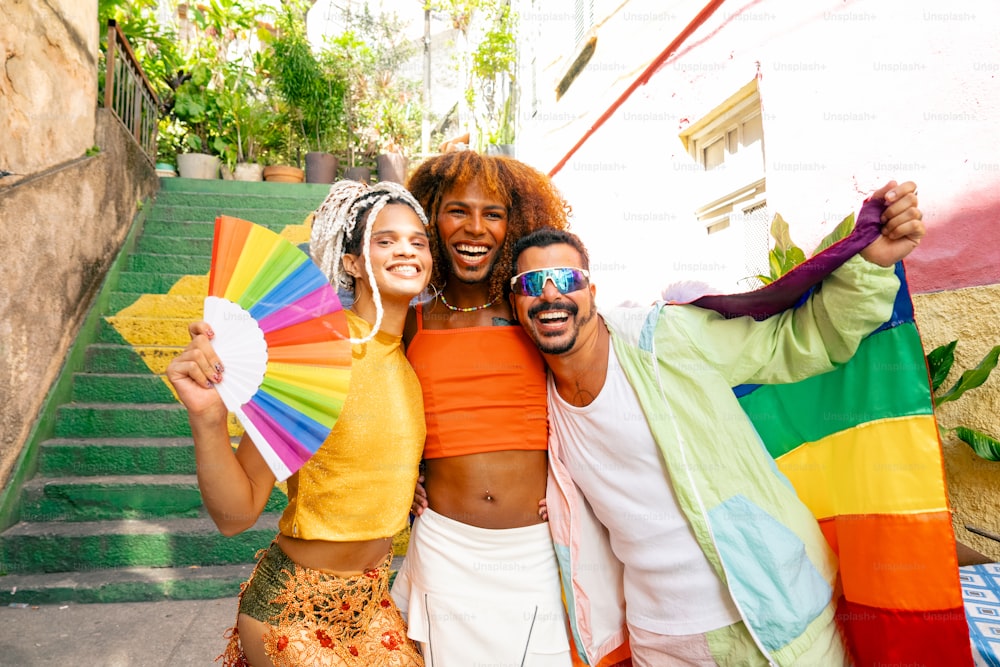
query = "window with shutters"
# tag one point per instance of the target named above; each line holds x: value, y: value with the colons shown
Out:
x: 728, y: 145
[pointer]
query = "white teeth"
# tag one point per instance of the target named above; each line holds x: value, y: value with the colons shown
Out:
x: 471, y: 249
x: 552, y: 316
x: 409, y: 270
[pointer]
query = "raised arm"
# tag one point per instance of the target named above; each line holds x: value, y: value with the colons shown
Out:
x: 235, y: 486
x: 827, y: 329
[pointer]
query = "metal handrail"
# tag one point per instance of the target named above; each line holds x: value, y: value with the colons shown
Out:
x: 128, y: 93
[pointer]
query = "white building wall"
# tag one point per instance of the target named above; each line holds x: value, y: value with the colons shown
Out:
x: 853, y: 94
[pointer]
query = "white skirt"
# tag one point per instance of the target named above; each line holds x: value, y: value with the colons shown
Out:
x: 477, y: 596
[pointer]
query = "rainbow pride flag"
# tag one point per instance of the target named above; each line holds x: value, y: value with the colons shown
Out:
x: 860, y: 445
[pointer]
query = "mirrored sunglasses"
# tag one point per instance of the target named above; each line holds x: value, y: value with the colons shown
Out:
x: 565, y: 279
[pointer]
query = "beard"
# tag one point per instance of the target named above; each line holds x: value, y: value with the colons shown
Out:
x: 547, y: 342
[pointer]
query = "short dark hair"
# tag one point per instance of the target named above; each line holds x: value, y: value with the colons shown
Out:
x: 546, y: 236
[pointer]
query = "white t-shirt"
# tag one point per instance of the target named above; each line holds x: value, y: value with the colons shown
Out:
x: 607, y: 446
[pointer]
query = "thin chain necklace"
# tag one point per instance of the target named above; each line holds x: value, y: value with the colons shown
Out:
x: 464, y: 310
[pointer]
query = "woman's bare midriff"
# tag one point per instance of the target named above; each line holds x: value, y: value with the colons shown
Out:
x: 339, y: 558
x: 490, y: 490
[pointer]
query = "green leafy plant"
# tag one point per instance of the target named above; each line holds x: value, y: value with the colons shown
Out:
x: 313, y: 94
x: 196, y: 107
x: 489, y: 69
x: 382, y: 106
x: 939, y: 364
x: 494, y: 65
x: 785, y: 255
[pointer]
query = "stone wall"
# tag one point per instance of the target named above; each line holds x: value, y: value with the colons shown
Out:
x: 48, y: 83
x: 64, y: 213
x: 972, y: 316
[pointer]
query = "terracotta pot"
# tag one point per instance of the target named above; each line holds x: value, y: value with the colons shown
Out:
x: 321, y: 167
x: 198, y: 165
x: 279, y: 173
x: 391, y: 167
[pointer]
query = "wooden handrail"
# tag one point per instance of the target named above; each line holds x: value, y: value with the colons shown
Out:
x: 133, y: 101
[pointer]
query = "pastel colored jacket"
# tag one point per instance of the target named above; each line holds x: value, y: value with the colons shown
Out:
x: 683, y: 362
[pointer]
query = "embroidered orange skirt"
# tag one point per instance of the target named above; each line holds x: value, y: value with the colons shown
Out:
x: 322, y: 619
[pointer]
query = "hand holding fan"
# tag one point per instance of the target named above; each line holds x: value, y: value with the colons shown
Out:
x: 282, y: 336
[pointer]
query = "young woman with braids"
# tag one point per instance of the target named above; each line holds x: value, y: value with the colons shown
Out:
x: 319, y: 594
x: 480, y: 583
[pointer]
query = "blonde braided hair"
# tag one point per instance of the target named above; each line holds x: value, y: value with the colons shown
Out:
x: 335, y: 232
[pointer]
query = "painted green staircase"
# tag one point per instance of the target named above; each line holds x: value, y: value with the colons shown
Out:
x: 113, y: 512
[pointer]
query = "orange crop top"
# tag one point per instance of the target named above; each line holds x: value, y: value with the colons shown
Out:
x: 483, y: 387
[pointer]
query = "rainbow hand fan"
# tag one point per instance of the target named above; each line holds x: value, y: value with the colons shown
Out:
x: 282, y: 336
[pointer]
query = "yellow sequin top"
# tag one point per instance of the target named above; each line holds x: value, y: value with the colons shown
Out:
x: 359, y: 485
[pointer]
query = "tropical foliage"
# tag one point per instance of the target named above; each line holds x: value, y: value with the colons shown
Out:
x: 240, y: 79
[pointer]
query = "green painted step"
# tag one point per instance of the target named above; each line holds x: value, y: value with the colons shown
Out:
x: 210, y: 213
x: 192, y: 230
x: 118, y: 301
x: 109, y: 420
x: 65, y: 546
x: 116, y: 456
x: 175, y: 245
x: 120, y: 388
x: 149, y: 283
x: 147, y: 332
x: 123, y: 359
x: 119, y: 497
x: 226, y: 201
x: 126, y: 584
x: 158, y: 263
x: 217, y: 186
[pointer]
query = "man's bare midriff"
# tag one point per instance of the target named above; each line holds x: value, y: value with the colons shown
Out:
x: 490, y: 490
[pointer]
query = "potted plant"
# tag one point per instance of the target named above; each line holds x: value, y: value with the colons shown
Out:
x: 381, y: 108
x: 195, y: 108
x: 249, y: 125
x: 312, y: 93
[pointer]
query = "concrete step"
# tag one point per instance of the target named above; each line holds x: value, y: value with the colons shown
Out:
x: 70, y: 546
x: 123, y: 359
x: 195, y: 212
x: 176, y: 305
x: 119, y: 420
x: 117, y: 497
x: 231, y: 200
x: 190, y: 230
x: 126, y: 584
x: 60, y: 457
x: 202, y: 187
x: 110, y: 497
x: 152, y: 283
x: 157, y: 263
x: 147, y: 331
x: 174, y: 245
x: 120, y: 388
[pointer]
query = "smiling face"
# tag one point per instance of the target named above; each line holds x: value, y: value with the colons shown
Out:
x: 472, y: 227
x: 400, y: 256
x: 553, y: 320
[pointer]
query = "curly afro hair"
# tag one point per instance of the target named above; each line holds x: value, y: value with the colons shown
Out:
x: 531, y: 198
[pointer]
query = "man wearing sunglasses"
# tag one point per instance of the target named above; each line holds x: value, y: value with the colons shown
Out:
x: 645, y: 433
